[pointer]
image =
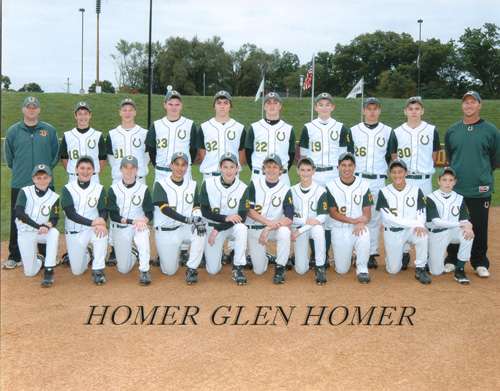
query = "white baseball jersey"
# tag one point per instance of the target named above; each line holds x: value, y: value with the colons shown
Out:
x: 402, y: 204
x: 180, y: 198
x: 269, y: 139
x: 370, y: 146
x: 305, y: 205
x: 268, y: 201
x: 415, y: 147
x: 448, y: 209
x: 349, y: 198
x: 37, y: 208
x: 130, y: 200
x: 324, y: 142
x: 226, y: 199
x: 128, y: 142
x: 172, y: 137
x: 85, y: 202
x: 80, y: 144
x: 218, y: 140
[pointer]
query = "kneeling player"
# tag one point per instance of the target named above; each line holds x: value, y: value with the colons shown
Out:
x: 131, y: 209
x: 270, y: 215
x: 310, y: 211
x: 402, y: 208
x: 177, y: 218
x: 224, y: 201
x: 84, y: 203
x: 350, y: 200
x: 448, y: 222
x: 37, y: 214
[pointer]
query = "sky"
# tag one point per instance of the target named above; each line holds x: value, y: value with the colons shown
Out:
x: 42, y: 40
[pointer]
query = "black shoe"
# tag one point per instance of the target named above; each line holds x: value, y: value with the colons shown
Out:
x: 327, y: 263
x: 41, y: 258
x: 364, y: 278
x: 203, y: 262
x: 65, y: 259
x: 99, y: 276
x: 111, y: 261
x: 372, y: 262
x: 406, y: 261
x: 279, y: 274
x: 238, y: 275
x: 312, y: 261
x: 271, y: 259
x: 227, y: 259
x: 249, y: 265
x: 320, y: 275
x: 289, y: 263
x: 461, y: 277
x: 91, y: 255
x: 184, y: 257
x: 48, y: 277
x: 191, y: 276
x: 422, y: 276
x: 145, y: 278
x: 155, y: 262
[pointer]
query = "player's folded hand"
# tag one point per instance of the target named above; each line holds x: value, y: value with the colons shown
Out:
x: 468, y: 233
x: 359, y: 229
x: 235, y: 219
x: 263, y: 236
x: 211, y: 238
x: 100, y: 231
x: 140, y: 225
x: 421, y: 232
x: 294, y: 235
x: 312, y: 222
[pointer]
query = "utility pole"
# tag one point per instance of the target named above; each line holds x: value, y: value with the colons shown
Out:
x: 67, y: 85
x: 419, y: 51
x: 98, y: 11
x: 82, y: 91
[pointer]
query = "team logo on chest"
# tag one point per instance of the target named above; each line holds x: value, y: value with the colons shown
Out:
x: 189, y: 198
x: 181, y: 134
x: 136, y: 142
x: 312, y: 206
x: 91, y: 144
x: 422, y: 139
x: 280, y: 138
x: 453, y: 210
x: 412, y: 203
x: 43, y: 133
x: 336, y: 135
x: 43, y: 209
x: 92, y: 202
x: 134, y: 197
x: 231, y: 135
x: 234, y: 203
x: 383, y: 141
x: 276, y: 201
x: 357, y: 199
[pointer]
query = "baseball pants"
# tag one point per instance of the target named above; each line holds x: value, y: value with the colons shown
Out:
x: 123, y: 238
x: 258, y: 251
x: 77, y: 243
x: 394, y: 242
x: 424, y: 184
x: 168, y: 244
x: 28, y: 241
x: 301, y: 248
x: 324, y: 177
x: 343, y: 242
x: 213, y: 254
x: 438, y: 242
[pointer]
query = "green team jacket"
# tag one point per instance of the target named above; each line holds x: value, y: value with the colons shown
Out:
x: 474, y: 153
x: 25, y: 148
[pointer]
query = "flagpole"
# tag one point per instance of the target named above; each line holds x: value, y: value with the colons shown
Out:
x: 263, y: 93
x: 312, y: 91
x: 362, y: 96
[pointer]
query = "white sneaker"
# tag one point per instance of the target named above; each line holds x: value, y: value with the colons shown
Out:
x: 449, y: 267
x: 482, y: 272
x: 11, y: 264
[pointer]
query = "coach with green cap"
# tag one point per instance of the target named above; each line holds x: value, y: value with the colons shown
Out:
x: 28, y: 143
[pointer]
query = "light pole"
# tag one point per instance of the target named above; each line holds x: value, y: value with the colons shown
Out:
x: 82, y: 91
x: 419, y: 51
x: 301, y: 85
x: 97, y: 11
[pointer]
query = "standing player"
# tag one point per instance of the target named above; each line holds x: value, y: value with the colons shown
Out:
x: 270, y: 135
x: 350, y: 201
x: 126, y: 139
x: 37, y: 212
x: 224, y: 202
x: 84, y: 203
x: 310, y: 210
x: 220, y: 135
x: 177, y: 218
x: 402, y: 207
x: 374, y: 143
x: 131, y: 209
x: 28, y: 143
x: 448, y: 222
x: 473, y: 149
x: 270, y: 215
x: 171, y: 134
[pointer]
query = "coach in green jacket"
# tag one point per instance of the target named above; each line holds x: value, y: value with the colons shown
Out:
x: 28, y: 143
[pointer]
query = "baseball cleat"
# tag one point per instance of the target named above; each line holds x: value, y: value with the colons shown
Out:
x: 279, y: 274
x: 155, y: 262
x: 135, y: 252
x: 111, y: 261
x: 461, y: 277
x: 289, y: 264
x: 11, y: 264
x: 145, y: 278
x: 65, y: 259
x: 328, y: 261
x: 406, y: 261
x: 449, y: 267
x: 320, y: 275
x: 99, y: 276
x: 203, y: 262
x: 364, y: 278
x: 227, y: 259
x: 238, y: 276
x: 271, y: 259
x: 184, y: 257
x: 312, y: 261
x: 482, y: 272
x: 48, y: 277
x: 41, y: 258
x: 372, y: 262
x: 422, y: 276
x: 191, y: 276
x: 249, y: 264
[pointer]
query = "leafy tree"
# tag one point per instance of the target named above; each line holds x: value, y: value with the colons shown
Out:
x: 31, y: 87
x: 106, y: 87
x: 5, y: 83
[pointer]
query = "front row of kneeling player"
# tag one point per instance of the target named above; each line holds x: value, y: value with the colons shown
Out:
x: 260, y: 212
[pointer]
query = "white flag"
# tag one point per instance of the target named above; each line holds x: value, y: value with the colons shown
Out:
x: 261, y: 89
x: 358, y: 89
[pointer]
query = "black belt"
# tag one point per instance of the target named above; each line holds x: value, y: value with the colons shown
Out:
x: 74, y: 173
x: 322, y: 169
x: 167, y: 169
x: 394, y: 229
x: 368, y: 176
x: 418, y: 176
x: 256, y: 226
x: 214, y: 173
x: 72, y: 232
x: 436, y: 230
x: 167, y: 229
x: 114, y: 225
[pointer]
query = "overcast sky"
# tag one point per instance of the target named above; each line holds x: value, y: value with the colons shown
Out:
x: 42, y: 39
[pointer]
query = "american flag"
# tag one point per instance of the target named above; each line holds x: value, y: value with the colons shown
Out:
x: 307, y: 82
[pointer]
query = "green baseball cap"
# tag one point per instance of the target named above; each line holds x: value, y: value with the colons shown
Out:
x: 305, y: 159
x: 129, y: 159
x: 222, y: 95
x: 173, y: 94
x: 41, y: 168
x: 82, y: 105
x: 371, y: 100
x: 85, y: 158
x: 324, y: 95
x: 181, y: 155
x: 474, y: 94
x: 31, y: 100
x: 274, y: 95
x: 447, y: 170
x: 273, y: 158
x: 127, y: 101
x: 398, y: 162
x: 347, y: 155
x: 228, y: 156
x: 414, y: 99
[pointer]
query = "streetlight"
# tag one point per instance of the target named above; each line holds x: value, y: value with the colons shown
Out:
x: 419, y: 50
x: 97, y: 11
x: 82, y: 91
x: 301, y: 84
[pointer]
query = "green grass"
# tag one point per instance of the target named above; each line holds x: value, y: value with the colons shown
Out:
x: 57, y: 109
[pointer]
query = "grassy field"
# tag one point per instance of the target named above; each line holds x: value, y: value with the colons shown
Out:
x: 57, y: 109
